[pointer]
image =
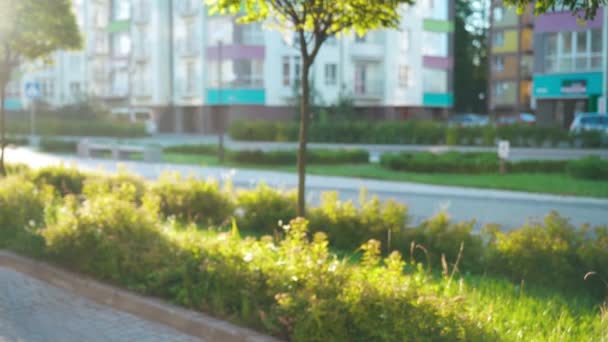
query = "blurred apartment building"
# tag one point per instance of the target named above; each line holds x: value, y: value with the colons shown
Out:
x: 173, y: 59
x: 552, y: 64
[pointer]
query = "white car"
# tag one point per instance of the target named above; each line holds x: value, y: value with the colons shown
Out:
x: 589, y: 122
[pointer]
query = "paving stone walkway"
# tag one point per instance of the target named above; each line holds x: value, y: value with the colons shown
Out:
x: 33, y: 311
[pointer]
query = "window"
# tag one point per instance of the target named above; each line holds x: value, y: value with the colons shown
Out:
x: 498, y: 63
x: 75, y: 89
x: 404, y: 76
x: 360, y: 39
x: 435, y: 44
x: 500, y: 88
x: 435, y: 81
x: 551, y: 52
x: 595, y: 41
x: 297, y: 68
x: 331, y: 71
x: 190, y: 77
x: 405, y: 40
x: 498, y: 13
x: 286, y: 71
x: 573, y: 51
x: 498, y: 39
x: 121, y: 9
x: 121, y: 44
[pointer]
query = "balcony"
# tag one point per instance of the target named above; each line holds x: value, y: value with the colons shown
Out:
x: 141, y: 54
x: 369, y: 90
x: 141, y: 14
x: 189, y: 48
x: 188, y: 8
x: 367, y: 50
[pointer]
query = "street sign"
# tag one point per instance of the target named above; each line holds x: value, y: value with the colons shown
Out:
x: 32, y: 90
x: 503, y: 149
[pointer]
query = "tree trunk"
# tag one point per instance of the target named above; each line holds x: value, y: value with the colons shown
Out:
x: 304, y: 120
x: 2, y: 126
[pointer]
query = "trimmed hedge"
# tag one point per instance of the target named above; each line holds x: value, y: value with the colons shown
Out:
x: 592, y: 167
x: 459, y: 162
x: 416, y: 132
x: 59, y: 146
x: 291, y: 157
x: 77, y: 127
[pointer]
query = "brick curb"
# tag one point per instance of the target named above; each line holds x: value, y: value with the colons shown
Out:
x: 185, y: 321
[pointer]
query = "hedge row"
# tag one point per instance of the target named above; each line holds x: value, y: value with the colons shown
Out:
x: 416, y: 132
x: 592, y: 167
x: 459, y: 162
x: 77, y: 127
x: 279, y: 157
x: 552, y: 253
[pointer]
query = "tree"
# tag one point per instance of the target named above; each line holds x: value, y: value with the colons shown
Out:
x: 470, y: 55
x: 31, y: 30
x: 587, y: 9
x: 313, y: 21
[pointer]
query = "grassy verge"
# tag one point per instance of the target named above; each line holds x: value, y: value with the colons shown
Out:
x: 558, y: 184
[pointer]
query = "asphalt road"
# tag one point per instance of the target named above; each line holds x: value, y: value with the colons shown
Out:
x: 507, y: 208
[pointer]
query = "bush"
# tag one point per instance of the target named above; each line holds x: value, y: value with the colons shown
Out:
x: 592, y: 167
x: 457, y: 162
x: 348, y: 226
x: 413, y: 132
x: 63, y: 179
x: 55, y: 145
x: 260, y: 210
x: 552, y: 253
x: 77, y: 127
x: 291, y: 157
x: 22, y: 206
x: 123, y: 182
x: 192, y: 200
x: 450, y: 162
x: 110, y: 237
x: 439, y: 236
x: 193, y: 149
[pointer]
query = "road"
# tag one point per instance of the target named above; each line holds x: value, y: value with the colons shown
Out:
x: 507, y: 208
x: 33, y: 311
x: 375, y: 150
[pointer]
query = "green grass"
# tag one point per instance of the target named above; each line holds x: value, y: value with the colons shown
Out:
x: 558, y: 184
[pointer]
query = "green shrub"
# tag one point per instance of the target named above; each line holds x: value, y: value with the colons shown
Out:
x: 192, y: 200
x: 22, y: 206
x: 122, y: 181
x: 63, y: 179
x: 537, y: 166
x: 260, y: 210
x: 18, y: 168
x: 348, y: 225
x: 592, y: 167
x: 77, y: 127
x: 55, y: 145
x: 439, y: 236
x: 552, y: 253
x: 17, y: 141
x: 291, y: 157
x: 110, y: 237
x: 193, y: 149
x: 449, y: 162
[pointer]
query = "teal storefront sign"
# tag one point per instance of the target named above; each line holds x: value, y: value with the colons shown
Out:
x: 13, y: 104
x: 567, y: 85
x: 437, y: 99
x: 236, y: 96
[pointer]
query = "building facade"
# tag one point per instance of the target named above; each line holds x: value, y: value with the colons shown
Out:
x: 510, y: 60
x: 173, y: 59
x: 568, y: 68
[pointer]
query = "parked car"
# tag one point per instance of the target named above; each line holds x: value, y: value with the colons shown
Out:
x: 468, y: 120
x: 521, y: 118
x: 589, y: 122
x: 137, y: 115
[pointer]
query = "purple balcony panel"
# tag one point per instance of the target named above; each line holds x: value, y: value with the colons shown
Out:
x: 237, y: 52
x: 566, y: 22
x: 437, y: 62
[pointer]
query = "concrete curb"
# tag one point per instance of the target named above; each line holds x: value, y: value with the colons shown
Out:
x: 185, y: 321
